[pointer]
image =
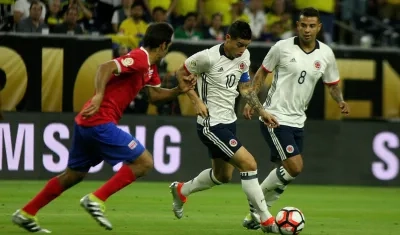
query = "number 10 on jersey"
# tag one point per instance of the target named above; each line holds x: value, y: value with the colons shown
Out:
x: 230, y: 80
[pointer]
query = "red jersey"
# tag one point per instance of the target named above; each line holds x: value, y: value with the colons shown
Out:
x: 134, y: 72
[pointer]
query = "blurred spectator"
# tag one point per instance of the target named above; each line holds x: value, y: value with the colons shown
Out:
x: 105, y: 10
x: 188, y: 30
x: 22, y: 10
x: 6, y: 15
x: 85, y: 12
x: 134, y: 26
x: 33, y: 24
x: 121, y: 14
x: 182, y: 8
x: 169, y: 5
x: 272, y: 33
x: 255, y: 12
x: 238, y: 12
x: 327, y: 13
x: 123, y: 50
x: 279, y: 14
x: 70, y: 25
x: 159, y: 14
x: 54, y: 15
x: 215, y: 31
x: 209, y: 7
x: 267, y: 4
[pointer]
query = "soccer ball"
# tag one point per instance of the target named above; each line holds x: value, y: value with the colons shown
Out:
x: 290, y: 221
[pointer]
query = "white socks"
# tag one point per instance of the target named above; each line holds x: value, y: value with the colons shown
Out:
x: 275, y: 184
x: 205, y: 180
x: 254, y: 193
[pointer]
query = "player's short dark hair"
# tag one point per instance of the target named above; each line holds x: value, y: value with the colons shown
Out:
x: 156, y: 34
x: 310, y: 12
x: 240, y: 29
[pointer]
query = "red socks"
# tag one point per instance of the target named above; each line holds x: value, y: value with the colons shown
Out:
x: 121, y: 179
x: 51, y: 191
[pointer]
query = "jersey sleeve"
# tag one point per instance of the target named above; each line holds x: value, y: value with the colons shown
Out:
x: 245, y: 66
x: 331, y: 73
x: 272, y: 59
x: 130, y: 63
x: 155, y: 80
x: 198, y: 63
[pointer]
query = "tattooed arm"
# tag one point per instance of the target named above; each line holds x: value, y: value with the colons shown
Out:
x: 337, y: 95
x: 249, y: 93
x: 259, y: 79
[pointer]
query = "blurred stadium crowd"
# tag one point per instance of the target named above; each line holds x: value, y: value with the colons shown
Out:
x: 366, y: 22
x: 369, y: 23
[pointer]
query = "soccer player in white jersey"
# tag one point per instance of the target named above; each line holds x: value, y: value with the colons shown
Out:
x: 298, y: 63
x: 222, y: 69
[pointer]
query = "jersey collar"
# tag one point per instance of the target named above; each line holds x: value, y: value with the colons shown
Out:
x: 297, y: 42
x: 222, y: 52
x: 147, y: 54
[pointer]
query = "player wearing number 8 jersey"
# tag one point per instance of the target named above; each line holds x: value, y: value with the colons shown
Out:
x: 298, y: 63
x: 222, y: 69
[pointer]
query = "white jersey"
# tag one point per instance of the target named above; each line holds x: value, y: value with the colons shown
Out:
x: 296, y: 74
x: 217, y: 82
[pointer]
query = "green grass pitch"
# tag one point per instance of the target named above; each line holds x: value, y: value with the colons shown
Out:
x: 145, y: 209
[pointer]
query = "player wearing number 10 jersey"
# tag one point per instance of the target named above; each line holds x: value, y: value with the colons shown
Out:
x: 222, y: 69
x: 298, y: 63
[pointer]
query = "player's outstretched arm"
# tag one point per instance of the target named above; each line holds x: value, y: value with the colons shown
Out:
x: 158, y: 95
x: 337, y: 95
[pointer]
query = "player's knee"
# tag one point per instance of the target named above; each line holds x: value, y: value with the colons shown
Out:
x: 248, y: 165
x: 223, y: 177
x: 148, y: 165
x: 244, y: 161
x: 71, y: 177
x: 143, y: 165
x: 294, y: 165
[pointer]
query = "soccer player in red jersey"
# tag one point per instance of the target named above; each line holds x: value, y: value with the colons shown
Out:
x: 96, y: 135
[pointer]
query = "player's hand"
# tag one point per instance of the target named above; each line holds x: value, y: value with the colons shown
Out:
x: 187, y: 83
x: 201, y: 109
x: 345, y: 109
x: 269, y: 120
x: 248, y: 111
x: 93, y: 107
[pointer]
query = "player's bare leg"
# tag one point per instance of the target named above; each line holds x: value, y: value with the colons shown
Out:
x: 94, y: 203
x: 26, y: 217
x: 247, y: 166
x: 220, y: 173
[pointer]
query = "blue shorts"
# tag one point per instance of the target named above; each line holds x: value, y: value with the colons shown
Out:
x: 284, y: 141
x: 92, y: 145
x: 220, y: 140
